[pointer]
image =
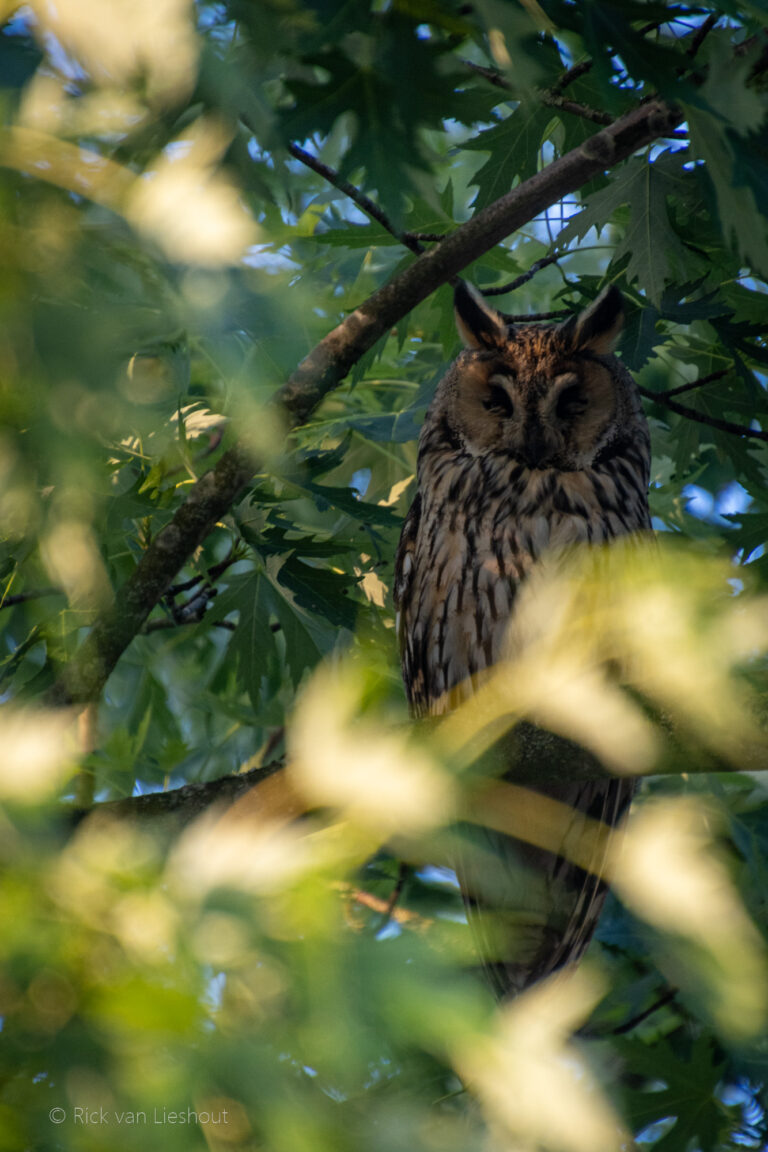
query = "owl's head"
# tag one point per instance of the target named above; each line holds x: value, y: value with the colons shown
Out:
x: 548, y: 396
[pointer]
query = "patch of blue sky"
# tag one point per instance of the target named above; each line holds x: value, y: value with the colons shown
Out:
x: 360, y: 481
x: 550, y: 223
x: 751, y: 282
x: 656, y: 1130
x: 435, y: 874
x: 266, y: 259
x: 742, y: 1095
x: 731, y: 500
x: 20, y: 23
x: 149, y: 787
x: 214, y: 990
x: 390, y: 931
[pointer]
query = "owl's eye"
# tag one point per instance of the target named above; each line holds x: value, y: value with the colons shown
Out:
x: 498, y: 400
x: 571, y: 402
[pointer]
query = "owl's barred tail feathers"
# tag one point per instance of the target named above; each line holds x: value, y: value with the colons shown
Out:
x: 533, y: 911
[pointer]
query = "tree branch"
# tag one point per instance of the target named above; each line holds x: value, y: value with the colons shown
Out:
x: 33, y: 594
x: 528, y: 756
x: 632, y: 1023
x: 524, y: 317
x: 552, y: 100
x: 365, y: 204
x: 329, y: 362
x: 710, y: 379
x: 327, y: 365
x: 702, y: 417
x: 552, y: 97
x: 571, y: 75
x: 702, y: 32
x: 524, y: 278
x: 208, y: 500
x: 184, y: 804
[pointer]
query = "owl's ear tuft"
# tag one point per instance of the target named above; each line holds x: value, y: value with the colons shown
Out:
x: 479, y: 325
x: 598, y: 327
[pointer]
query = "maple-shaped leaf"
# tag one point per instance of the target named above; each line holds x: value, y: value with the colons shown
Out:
x: 656, y: 254
x: 514, y: 146
x: 738, y: 168
x: 390, y: 84
x: 688, y: 1094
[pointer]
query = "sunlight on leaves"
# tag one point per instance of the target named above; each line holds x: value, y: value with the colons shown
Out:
x: 543, y: 821
x: 73, y: 560
x: 107, y: 114
x: 671, y: 875
x: 39, y: 748
x: 149, y: 40
x: 191, y: 210
x: 102, y: 855
x: 535, y: 1085
x: 181, y: 201
x: 255, y: 855
x: 591, y: 624
x: 373, y: 775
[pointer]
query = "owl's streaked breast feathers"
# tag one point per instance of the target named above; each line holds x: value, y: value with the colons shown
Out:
x: 535, y: 440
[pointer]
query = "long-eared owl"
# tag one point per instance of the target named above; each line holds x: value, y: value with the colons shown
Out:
x: 535, y: 440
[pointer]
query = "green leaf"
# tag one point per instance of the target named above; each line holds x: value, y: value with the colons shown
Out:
x: 727, y: 88
x: 514, y: 147
x: 750, y: 532
x: 729, y: 167
x: 370, y: 80
x: 690, y: 1082
x: 252, y: 646
x: 319, y: 591
x: 609, y: 30
x: 655, y: 252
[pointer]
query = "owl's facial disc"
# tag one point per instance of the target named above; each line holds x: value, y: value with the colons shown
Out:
x: 554, y: 410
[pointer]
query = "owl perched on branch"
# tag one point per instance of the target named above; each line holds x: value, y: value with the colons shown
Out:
x: 535, y: 440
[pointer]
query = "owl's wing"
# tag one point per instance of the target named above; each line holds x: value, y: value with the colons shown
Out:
x: 413, y: 672
x: 533, y: 911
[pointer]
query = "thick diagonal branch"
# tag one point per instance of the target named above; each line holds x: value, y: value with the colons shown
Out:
x: 538, y: 757
x: 327, y: 365
x: 330, y: 361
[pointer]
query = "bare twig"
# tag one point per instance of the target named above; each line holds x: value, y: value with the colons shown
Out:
x: 275, y: 737
x: 710, y: 379
x: 403, y: 873
x: 33, y: 594
x: 524, y: 277
x: 184, y: 586
x: 489, y: 74
x: 554, y: 100
x: 524, y: 317
x: 702, y: 32
x: 702, y: 417
x: 427, y: 237
x: 326, y: 366
x: 166, y: 625
x: 633, y: 1022
x: 208, y: 500
x: 211, y: 574
x: 571, y: 75
x: 550, y: 97
x: 364, y: 203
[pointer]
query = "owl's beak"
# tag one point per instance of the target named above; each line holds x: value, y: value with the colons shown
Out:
x: 537, y: 450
